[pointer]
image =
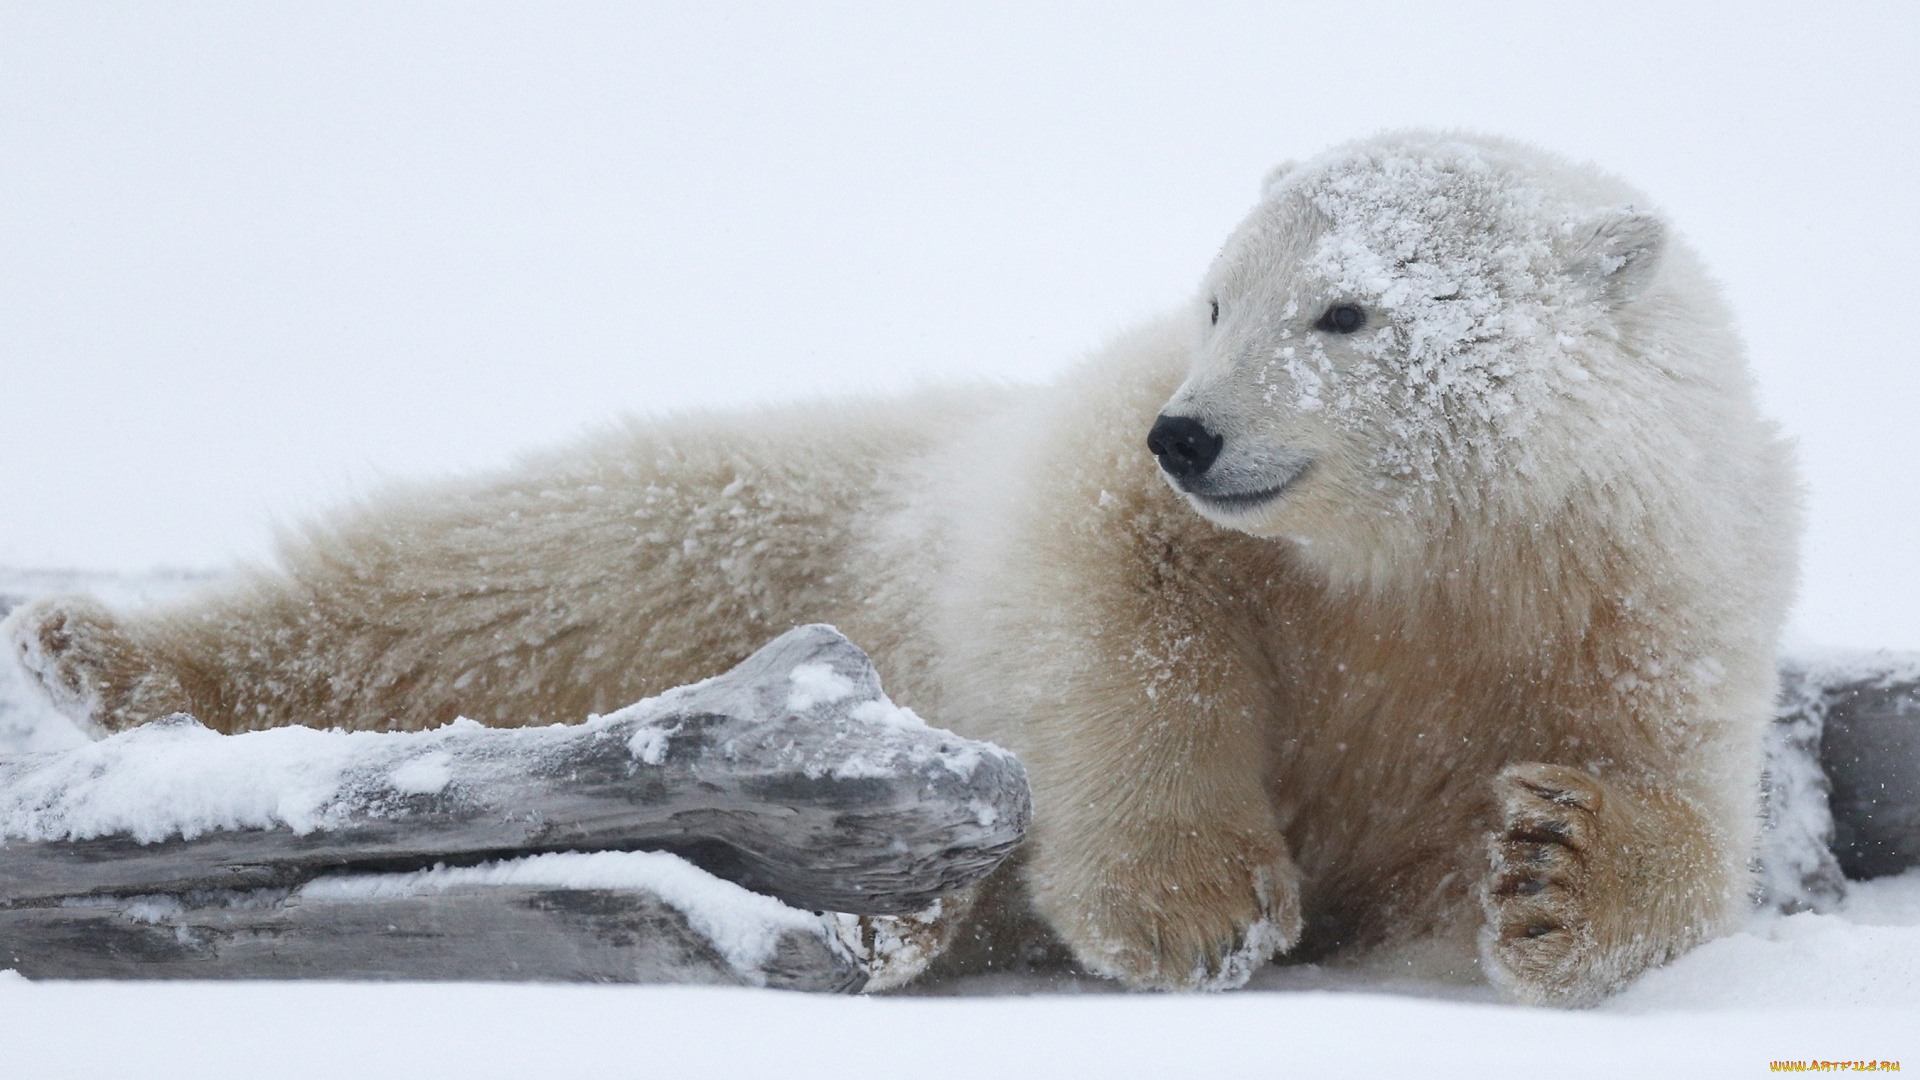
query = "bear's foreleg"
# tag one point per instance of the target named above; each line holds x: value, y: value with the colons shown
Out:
x: 1165, y: 903
x: 1593, y: 883
x: 1158, y: 857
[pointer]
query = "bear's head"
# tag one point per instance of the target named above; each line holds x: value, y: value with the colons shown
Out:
x: 1409, y: 335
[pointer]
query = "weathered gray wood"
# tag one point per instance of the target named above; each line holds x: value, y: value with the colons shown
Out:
x: 1871, y: 752
x: 827, y: 806
x: 471, y: 932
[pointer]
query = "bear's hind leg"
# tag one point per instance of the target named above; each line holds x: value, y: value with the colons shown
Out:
x: 1593, y: 883
x: 89, y: 666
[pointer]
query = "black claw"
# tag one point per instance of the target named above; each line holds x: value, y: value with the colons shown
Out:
x: 1544, y: 832
x: 1558, y: 795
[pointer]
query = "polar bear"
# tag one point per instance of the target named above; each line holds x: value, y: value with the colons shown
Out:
x: 1414, y: 591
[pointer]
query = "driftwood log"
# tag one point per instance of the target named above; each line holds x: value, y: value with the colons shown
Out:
x: 791, y: 775
x: 1843, y: 777
x: 474, y: 932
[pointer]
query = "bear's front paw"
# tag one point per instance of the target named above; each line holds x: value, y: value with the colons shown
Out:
x: 1541, y: 939
x: 1197, y: 917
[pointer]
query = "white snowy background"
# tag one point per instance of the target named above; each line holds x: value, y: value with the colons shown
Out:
x: 256, y: 258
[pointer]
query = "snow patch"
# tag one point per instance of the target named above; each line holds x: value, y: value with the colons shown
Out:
x: 886, y: 713
x: 649, y: 742
x: 882, y: 711
x: 428, y: 774
x: 817, y: 684
x: 176, y: 777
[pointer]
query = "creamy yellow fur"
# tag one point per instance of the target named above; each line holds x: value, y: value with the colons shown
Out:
x: 1511, y: 728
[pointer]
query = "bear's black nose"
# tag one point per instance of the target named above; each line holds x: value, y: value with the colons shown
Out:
x: 1184, y: 446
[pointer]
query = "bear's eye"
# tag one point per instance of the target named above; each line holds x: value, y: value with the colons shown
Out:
x: 1341, y: 319
x: 1216, y: 312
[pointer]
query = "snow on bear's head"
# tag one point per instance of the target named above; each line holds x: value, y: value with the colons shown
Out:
x: 1409, y: 332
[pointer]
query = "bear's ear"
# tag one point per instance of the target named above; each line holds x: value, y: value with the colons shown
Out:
x: 1277, y: 176
x: 1617, y: 251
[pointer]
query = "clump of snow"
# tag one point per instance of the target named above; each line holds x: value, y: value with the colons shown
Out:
x: 177, y: 778
x: 884, y: 712
x: 744, y: 927
x: 428, y: 774
x: 960, y: 757
x: 649, y: 742
x: 961, y: 761
x: 817, y: 684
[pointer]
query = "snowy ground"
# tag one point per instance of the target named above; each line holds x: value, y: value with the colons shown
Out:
x: 327, y: 1031
x: 1838, y: 986
x: 1805, y: 987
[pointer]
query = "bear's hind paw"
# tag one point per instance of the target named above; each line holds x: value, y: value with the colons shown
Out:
x: 75, y: 649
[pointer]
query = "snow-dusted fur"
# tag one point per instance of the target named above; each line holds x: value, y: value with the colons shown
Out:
x: 1462, y: 649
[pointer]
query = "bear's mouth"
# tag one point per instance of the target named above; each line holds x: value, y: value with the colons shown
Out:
x: 1238, y: 502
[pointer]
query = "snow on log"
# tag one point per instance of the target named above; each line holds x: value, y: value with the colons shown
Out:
x: 170, y: 849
